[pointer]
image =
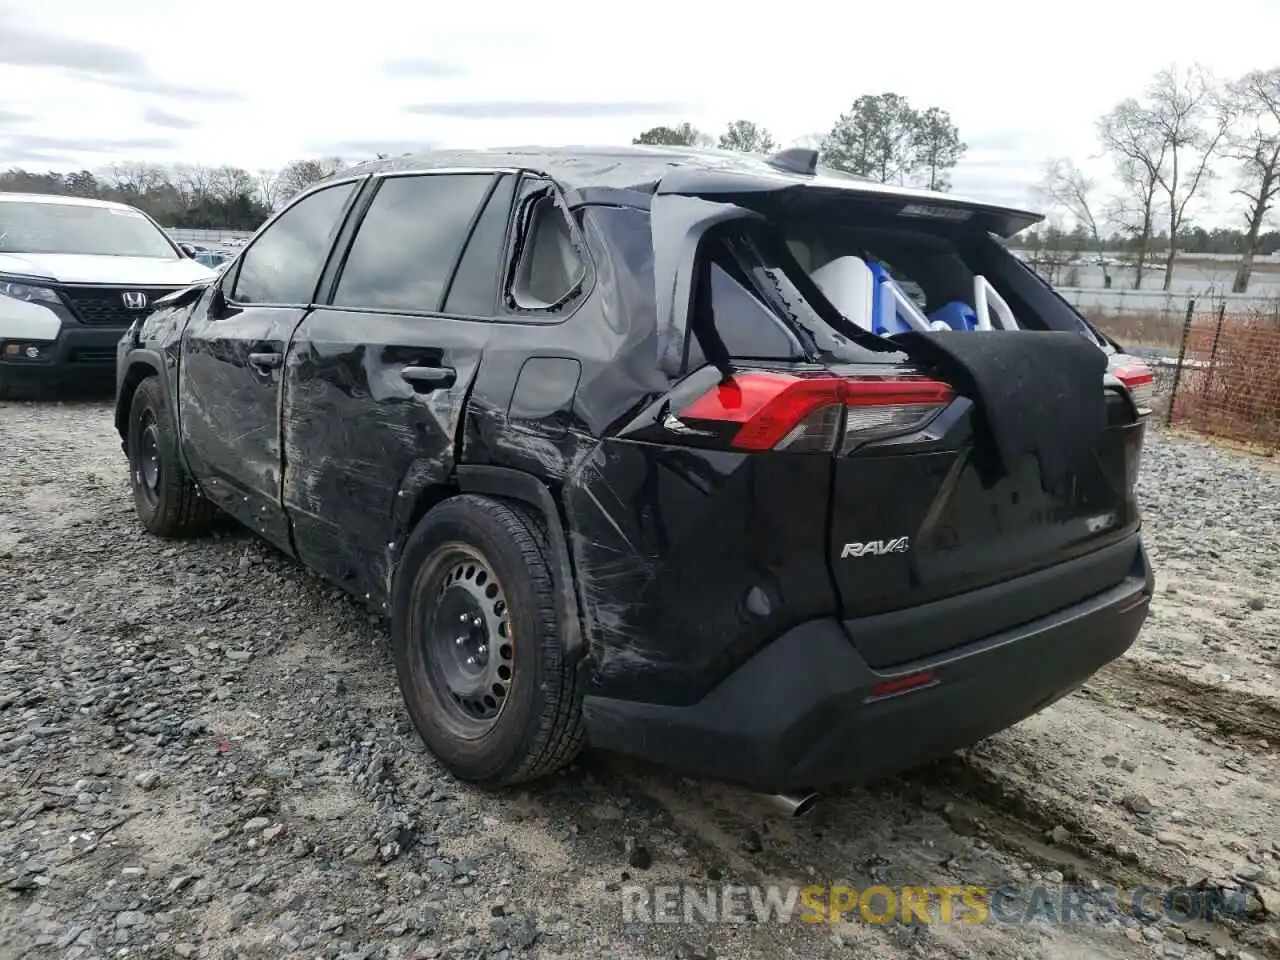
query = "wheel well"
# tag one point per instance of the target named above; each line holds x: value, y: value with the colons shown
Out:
x: 435, y: 494
x: 428, y: 497
x: 137, y: 372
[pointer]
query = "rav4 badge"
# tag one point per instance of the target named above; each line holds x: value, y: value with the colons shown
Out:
x: 876, y: 548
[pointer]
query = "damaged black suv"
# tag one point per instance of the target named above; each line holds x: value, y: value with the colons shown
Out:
x: 626, y: 464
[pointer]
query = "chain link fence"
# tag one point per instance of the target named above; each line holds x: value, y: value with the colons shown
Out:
x: 194, y: 235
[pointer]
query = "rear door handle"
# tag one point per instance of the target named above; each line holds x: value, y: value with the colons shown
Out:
x: 425, y: 379
x: 265, y: 361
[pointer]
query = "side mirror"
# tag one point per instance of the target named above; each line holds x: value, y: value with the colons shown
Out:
x: 219, y: 304
x: 188, y: 249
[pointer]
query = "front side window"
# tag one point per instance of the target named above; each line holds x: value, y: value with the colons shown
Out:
x: 409, y: 241
x: 36, y: 226
x: 283, y: 264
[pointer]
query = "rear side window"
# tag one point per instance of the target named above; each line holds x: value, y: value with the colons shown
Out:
x: 474, y: 290
x: 725, y: 311
x: 725, y: 308
x: 408, y: 242
x: 283, y: 264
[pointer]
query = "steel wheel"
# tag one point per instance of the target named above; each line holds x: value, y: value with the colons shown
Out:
x: 466, y: 638
x: 146, y: 467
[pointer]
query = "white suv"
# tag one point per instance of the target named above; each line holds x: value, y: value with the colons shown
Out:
x: 74, y: 275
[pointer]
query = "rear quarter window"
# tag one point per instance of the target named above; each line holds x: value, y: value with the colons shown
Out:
x: 724, y: 305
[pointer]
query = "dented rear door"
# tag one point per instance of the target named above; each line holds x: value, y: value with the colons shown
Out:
x: 377, y: 377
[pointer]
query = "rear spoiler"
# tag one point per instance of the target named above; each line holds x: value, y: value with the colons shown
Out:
x: 783, y: 189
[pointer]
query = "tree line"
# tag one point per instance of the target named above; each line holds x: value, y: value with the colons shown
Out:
x: 1167, y: 148
x: 185, y: 195
x: 881, y: 137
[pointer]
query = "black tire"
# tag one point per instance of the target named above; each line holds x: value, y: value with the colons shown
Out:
x: 167, y: 502
x: 538, y: 725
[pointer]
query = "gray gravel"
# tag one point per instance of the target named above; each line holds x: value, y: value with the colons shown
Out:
x: 203, y: 754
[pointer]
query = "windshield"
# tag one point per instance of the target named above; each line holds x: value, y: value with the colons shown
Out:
x: 38, y: 227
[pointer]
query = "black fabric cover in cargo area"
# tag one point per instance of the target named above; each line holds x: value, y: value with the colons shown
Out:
x: 1036, y: 391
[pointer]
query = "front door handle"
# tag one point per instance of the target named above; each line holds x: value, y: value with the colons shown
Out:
x: 265, y: 361
x: 426, y: 379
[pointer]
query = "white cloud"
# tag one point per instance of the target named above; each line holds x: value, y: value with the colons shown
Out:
x: 265, y: 81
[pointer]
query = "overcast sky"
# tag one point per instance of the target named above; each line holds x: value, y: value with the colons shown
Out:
x: 257, y: 83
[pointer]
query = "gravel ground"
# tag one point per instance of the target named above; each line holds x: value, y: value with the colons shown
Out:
x: 203, y: 754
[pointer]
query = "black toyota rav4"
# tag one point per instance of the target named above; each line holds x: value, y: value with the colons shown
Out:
x: 585, y: 427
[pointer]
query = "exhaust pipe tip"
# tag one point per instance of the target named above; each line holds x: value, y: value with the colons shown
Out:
x: 794, y: 804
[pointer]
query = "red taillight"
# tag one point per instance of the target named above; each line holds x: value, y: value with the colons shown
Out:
x: 1135, y: 376
x: 1139, y: 379
x: 782, y: 411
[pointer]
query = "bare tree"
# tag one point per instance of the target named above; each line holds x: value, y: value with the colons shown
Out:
x: 1256, y: 146
x: 1066, y: 187
x: 300, y: 174
x: 133, y: 179
x: 269, y: 188
x: 1139, y: 154
x: 230, y: 184
x: 1189, y: 115
x: 194, y: 182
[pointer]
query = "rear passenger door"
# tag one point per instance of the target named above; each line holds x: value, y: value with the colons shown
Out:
x: 375, y: 377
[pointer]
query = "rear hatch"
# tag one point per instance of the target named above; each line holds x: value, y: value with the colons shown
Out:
x: 925, y: 550
x: 915, y: 523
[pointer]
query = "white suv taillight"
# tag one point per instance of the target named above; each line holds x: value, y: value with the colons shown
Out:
x: 1138, y: 378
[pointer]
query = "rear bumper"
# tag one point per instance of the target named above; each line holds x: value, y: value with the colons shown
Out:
x: 801, y: 714
x: 79, y: 354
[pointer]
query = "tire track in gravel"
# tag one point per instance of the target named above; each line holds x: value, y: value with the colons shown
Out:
x: 920, y: 830
x: 1250, y: 720
x: 1093, y: 821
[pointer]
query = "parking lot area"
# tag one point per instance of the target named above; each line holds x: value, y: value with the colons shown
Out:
x: 203, y: 753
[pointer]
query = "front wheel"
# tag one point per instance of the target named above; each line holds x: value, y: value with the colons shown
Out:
x: 164, y: 495
x: 478, y: 646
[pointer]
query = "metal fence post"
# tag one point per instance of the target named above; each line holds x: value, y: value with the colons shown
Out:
x: 1213, y: 351
x: 1182, y: 355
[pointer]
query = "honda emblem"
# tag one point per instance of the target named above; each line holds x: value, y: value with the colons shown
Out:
x: 134, y: 300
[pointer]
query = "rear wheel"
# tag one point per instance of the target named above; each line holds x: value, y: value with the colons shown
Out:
x: 478, y: 645
x: 164, y: 495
